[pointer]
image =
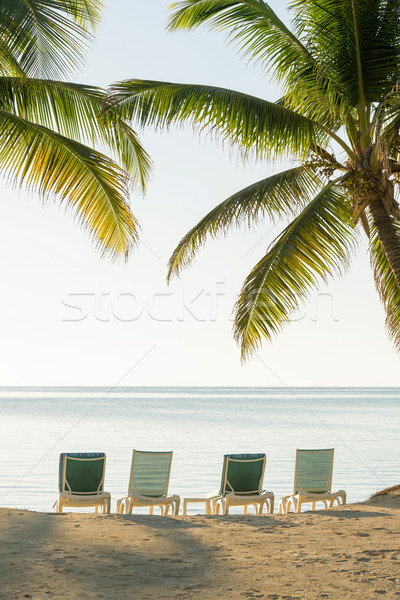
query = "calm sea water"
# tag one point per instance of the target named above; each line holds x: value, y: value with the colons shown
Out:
x: 200, y: 425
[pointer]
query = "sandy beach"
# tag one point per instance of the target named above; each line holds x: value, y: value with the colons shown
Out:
x: 347, y: 552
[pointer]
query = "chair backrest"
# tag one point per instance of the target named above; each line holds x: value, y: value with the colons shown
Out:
x: 242, y: 474
x: 82, y: 473
x: 313, y: 472
x: 150, y: 473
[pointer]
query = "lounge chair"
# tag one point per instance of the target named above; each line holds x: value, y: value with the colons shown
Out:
x: 241, y: 484
x: 148, y: 484
x: 81, y: 481
x: 312, y: 481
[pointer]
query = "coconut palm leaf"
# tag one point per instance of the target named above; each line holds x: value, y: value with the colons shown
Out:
x: 358, y: 43
x: 262, y: 36
x: 313, y: 58
x: 390, y: 133
x: 71, y: 109
x: 276, y: 196
x: 127, y: 147
x: 76, y: 111
x: 46, y: 38
x: 386, y: 284
x: 86, y: 181
x: 313, y: 247
x: 239, y: 119
x: 9, y: 64
x: 252, y: 24
x: 387, y: 119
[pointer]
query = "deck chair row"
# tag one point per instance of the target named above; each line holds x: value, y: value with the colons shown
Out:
x: 81, y: 483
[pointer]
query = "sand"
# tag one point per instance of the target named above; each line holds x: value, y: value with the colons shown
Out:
x: 342, y: 553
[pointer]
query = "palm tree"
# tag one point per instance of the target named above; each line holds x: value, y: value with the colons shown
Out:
x: 49, y: 128
x: 339, y: 117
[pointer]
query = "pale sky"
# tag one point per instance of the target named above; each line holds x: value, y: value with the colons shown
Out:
x: 69, y: 317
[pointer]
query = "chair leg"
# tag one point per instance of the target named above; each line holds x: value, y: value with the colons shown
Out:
x: 220, y: 504
x: 271, y: 505
x: 290, y: 503
x: 176, y: 506
x: 151, y: 508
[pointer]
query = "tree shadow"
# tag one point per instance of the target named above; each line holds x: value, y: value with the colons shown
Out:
x: 161, y: 522
x: 43, y: 553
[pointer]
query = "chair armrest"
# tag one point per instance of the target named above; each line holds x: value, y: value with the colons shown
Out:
x: 213, y: 495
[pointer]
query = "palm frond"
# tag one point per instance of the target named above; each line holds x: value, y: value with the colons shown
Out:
x: 276, y: 196
x: 9, y: 64
x: 251, y: 123
x: 314, y: 246
x: 356, y: 42
x: 386, y: 284
x: 125, y: 143
x: 76, y: 111
x: 86, y: 181
x: 46, y: 38
x: 252, y: 24
x: 387, y: 123
x: 262, y: 36
x: 390, y: 135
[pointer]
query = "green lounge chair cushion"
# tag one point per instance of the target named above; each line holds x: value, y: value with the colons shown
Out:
x: 84, y: 476
x: 150, y: 473
x: 314, y: 471
x: 243, y: 474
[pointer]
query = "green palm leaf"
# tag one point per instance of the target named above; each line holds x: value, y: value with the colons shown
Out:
x: 387, y: 119
x: 127, y: 147
x: 386, y: 284
x: 314, y: 246
x: 71, y: 109
x: 261, y: 35
x: 46, y: 37
x: 358, y: 43
x: 254, y: 26
x: 86, y: 181
x: 239, y: 119
x: 276, y: 196
x: 76, y: 111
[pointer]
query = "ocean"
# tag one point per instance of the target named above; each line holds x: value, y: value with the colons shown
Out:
x: 199, y: 424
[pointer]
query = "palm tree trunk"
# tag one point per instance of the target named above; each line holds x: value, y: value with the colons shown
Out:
x: 387, y: 235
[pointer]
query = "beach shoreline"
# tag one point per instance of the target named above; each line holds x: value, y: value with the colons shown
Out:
x: 344, y: 552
